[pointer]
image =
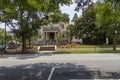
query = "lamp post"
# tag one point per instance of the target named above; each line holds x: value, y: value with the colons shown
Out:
x: 5, y: 36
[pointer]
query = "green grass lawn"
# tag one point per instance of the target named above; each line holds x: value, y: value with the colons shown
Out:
x: 82, y: 49
x: 89, y: 49
x: 86, y: 51
x: 97, y: 46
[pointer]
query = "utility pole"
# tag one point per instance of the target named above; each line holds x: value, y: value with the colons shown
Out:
x: 5, y: 37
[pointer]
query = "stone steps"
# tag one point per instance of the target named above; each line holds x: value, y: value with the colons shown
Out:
x: 47, y: 48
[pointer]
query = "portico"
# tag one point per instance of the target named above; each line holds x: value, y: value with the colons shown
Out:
x: 50, y: 35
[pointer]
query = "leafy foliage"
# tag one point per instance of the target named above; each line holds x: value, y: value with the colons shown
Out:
x: 26, y: 16
x: 82, y: 4
x: 2, y: 36
x: 58, y: 16
x: 72, y: 31
x: 85, y: 24
x: 107, y: 19
x: 75, y: 17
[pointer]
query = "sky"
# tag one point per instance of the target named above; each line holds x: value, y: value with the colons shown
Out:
x: 65, y: 9
x: 70, y: 10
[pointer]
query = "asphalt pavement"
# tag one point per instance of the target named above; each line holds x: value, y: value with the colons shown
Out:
x: 60, y: 66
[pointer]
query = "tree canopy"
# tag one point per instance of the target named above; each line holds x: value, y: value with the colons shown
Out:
x: 2, y: 36
x: 100, y: 18
x: 26, y: 16
x: 75, y: 17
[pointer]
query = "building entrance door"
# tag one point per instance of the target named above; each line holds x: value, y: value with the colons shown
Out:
x: 52, y: 36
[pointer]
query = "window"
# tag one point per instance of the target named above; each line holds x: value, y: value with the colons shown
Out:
x: 75, y: 37
x: 63, y: 35
x: 62, y: 25
x: 40, y: 36
x: 51, y: 25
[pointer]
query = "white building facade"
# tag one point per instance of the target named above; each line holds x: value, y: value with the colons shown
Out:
x: 51, y: 31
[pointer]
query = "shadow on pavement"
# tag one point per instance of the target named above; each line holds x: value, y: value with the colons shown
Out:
x: 62, y: 71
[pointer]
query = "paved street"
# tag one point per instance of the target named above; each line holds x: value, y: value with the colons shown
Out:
x: 60, y: 66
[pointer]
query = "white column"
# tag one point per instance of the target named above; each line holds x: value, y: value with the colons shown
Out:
x: 55, y: 36
x: 46, y: 36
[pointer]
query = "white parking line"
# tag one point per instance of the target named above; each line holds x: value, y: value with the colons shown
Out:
x: 94, y: 79
x: 81, y: 79
x: 51, y: 73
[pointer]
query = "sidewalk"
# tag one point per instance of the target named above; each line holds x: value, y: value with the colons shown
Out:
x: 32, y: 51
x: 18, y: 51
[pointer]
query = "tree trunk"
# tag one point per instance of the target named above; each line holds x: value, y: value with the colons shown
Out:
x: 107, y: 40
x: 29, y: 43
x: 114, y: 44
x: 23, y: 43
x: 71, y: 39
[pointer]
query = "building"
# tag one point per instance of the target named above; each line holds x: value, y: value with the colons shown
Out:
x: 51, y: 31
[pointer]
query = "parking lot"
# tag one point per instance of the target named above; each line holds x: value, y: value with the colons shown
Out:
x: 46, y: 67
x: 43, y: 71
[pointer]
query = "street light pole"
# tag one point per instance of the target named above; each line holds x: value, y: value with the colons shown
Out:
x: 5, y: 36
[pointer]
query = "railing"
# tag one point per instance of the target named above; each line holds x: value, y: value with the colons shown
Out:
x: 47, y: 42
x: 50, y: 29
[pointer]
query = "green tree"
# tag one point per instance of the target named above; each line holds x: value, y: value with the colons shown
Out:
x: 26, y: 14
x: 82, y: 4
x: 75, y: 17
x: 58, y: 16
x: 72, y: 31
x: 2, y: 36
x: 108, y: 19
x: 86, y: 27
x: 59, y: 36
